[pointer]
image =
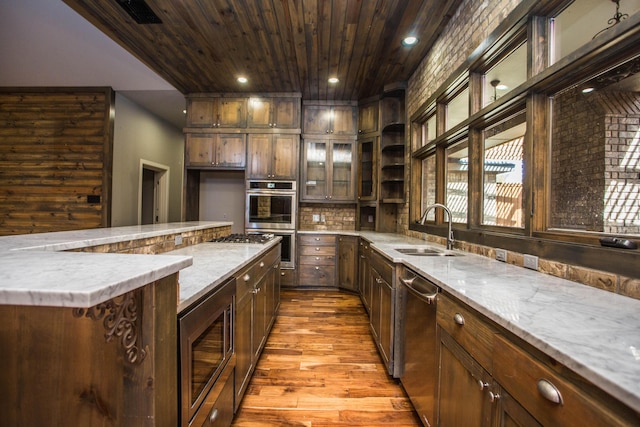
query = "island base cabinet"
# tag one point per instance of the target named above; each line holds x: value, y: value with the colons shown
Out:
x: 66, y: 367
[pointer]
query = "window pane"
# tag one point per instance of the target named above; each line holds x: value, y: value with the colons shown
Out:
x: 505, y: 75
x: 595, y: 154
x: 458, y: 109
x: 428, y: 185
x: 581, y: 21
x: 430, y: 128
x: 458, y: 181
x: 503, y: 157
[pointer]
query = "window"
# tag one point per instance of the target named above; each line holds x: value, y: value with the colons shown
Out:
x: 505, y: 75
x: 503, y: 173
x: 458, y: 181
x: 595, y: 154
x: 581, y: 21
x: 428, y: 185
x: 458, y: 108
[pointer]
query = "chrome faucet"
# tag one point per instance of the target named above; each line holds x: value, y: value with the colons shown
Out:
x: 450, y: 218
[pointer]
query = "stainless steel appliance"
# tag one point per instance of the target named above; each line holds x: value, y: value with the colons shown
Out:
x: 272, y: 208
x: 419, y: 354
x: 206, y: 348
x: 271, y: 205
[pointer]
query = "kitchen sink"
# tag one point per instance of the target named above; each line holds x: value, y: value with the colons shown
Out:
x: 425, y: 251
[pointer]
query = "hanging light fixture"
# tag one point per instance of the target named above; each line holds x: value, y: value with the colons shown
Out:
x: 617, y: 18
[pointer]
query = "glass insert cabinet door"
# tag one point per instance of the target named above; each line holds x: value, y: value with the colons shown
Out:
x: 328, y: 171
x: 342, y: 187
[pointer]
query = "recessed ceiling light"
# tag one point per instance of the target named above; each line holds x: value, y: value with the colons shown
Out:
x: 409, y: 41
x: 502, y: 87
x: 588, y: 89
x: 333, y: 80
x: 242, y: 79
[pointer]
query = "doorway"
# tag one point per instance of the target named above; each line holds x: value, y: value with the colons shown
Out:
x: 153, y: 206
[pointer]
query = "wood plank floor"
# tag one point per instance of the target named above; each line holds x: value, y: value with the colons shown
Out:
x: 320, y: 367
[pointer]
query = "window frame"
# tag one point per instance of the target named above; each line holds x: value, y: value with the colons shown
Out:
x: 543, y: 80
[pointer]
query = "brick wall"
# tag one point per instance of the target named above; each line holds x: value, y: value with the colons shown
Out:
x: 332, y: 216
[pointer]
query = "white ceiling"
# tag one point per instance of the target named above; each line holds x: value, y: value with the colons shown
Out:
x: 46, y: 43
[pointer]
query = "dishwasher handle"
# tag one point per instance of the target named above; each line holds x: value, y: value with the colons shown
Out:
x: 430, y: 298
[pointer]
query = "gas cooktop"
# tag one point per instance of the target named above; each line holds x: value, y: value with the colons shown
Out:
x: 244, y: 238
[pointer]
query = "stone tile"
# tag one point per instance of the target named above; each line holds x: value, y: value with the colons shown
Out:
x: 630, y: 287
x: 595, y: 278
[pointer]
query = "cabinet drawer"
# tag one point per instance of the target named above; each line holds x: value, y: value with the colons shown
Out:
x: 383, y: 267
x: 528, y: 380
x: 318, y: 260
x: 217, y: 408
x: 251, y: 274
x: 317, y: 250
x: 317, y: 240
x: 310, y: 275
x: 467, y: 328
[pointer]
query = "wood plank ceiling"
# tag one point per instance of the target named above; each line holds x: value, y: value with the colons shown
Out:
x: 279, y: 45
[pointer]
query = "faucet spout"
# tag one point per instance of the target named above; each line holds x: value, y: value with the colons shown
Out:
x: 450, y: 239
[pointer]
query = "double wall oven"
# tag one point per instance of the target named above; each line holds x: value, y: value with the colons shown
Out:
x: 271, y: 208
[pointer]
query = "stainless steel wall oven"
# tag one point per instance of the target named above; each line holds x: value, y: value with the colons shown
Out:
x: 206, y: 347
x: 272, y: 208
x: 271, y: 205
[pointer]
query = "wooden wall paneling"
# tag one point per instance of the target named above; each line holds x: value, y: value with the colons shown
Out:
x: 56, y: 159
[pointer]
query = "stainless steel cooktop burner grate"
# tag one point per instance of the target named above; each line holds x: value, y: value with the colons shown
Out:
x: 244, y: 238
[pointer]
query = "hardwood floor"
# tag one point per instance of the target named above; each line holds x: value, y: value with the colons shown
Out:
x: 320, y: 367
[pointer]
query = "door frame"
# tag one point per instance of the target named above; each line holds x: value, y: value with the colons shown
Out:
x: 161, y: 190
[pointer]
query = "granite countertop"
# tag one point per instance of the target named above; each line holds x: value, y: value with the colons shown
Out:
x: 593, y: 332
x: 213, y: 264
x: 35, y: 270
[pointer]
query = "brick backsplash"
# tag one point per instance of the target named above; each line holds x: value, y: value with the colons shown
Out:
x: 332, y: 216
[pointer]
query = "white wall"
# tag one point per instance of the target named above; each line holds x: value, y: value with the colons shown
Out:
x: 138, y: 135
x: 222, y: 198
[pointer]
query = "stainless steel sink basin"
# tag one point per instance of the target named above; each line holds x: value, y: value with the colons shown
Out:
x: 425, y: 251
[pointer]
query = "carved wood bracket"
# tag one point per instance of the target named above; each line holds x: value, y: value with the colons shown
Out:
x: 120, y: 316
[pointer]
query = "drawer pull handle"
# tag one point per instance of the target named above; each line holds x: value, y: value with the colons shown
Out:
x: 246, y: 278
x: 459, y: 319
x: 493, y: 396
x: 213, y: 416
x: 482, y: 384
x: 408, y: 281
x: 378, y: 280
x: 549, y: 391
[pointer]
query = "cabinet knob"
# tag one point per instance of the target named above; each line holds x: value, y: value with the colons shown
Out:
x: 459, y: 319
x: 317, y: 268
x: 317, y: 258
x: 246, y: 278
x: 213, y: 416
x: 282, y: 273
x: 327, y: 130
x: 261, y: 264
x: 549, y: 391
x: 317, y: 249
x: 493, y: 396
x: 317, y: 239
x: 482, y: 384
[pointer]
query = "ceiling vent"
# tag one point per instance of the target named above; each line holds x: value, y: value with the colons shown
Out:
x: 140, y: 11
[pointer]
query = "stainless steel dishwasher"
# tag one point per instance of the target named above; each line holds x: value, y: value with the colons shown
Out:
x: 419, y: 355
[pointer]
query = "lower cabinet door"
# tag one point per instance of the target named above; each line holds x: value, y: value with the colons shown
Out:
x: 243, y: 346
x: 462, y: 400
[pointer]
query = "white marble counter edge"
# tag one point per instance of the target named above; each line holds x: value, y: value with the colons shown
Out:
x: 44, y: 275
x: 205, y: 250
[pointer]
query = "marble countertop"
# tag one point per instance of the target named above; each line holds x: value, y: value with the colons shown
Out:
x: 35, y: 270
x: 593, y: 332
x: 213, y: 264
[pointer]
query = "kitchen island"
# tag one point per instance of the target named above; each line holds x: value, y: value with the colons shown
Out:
x: 90, y: 338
